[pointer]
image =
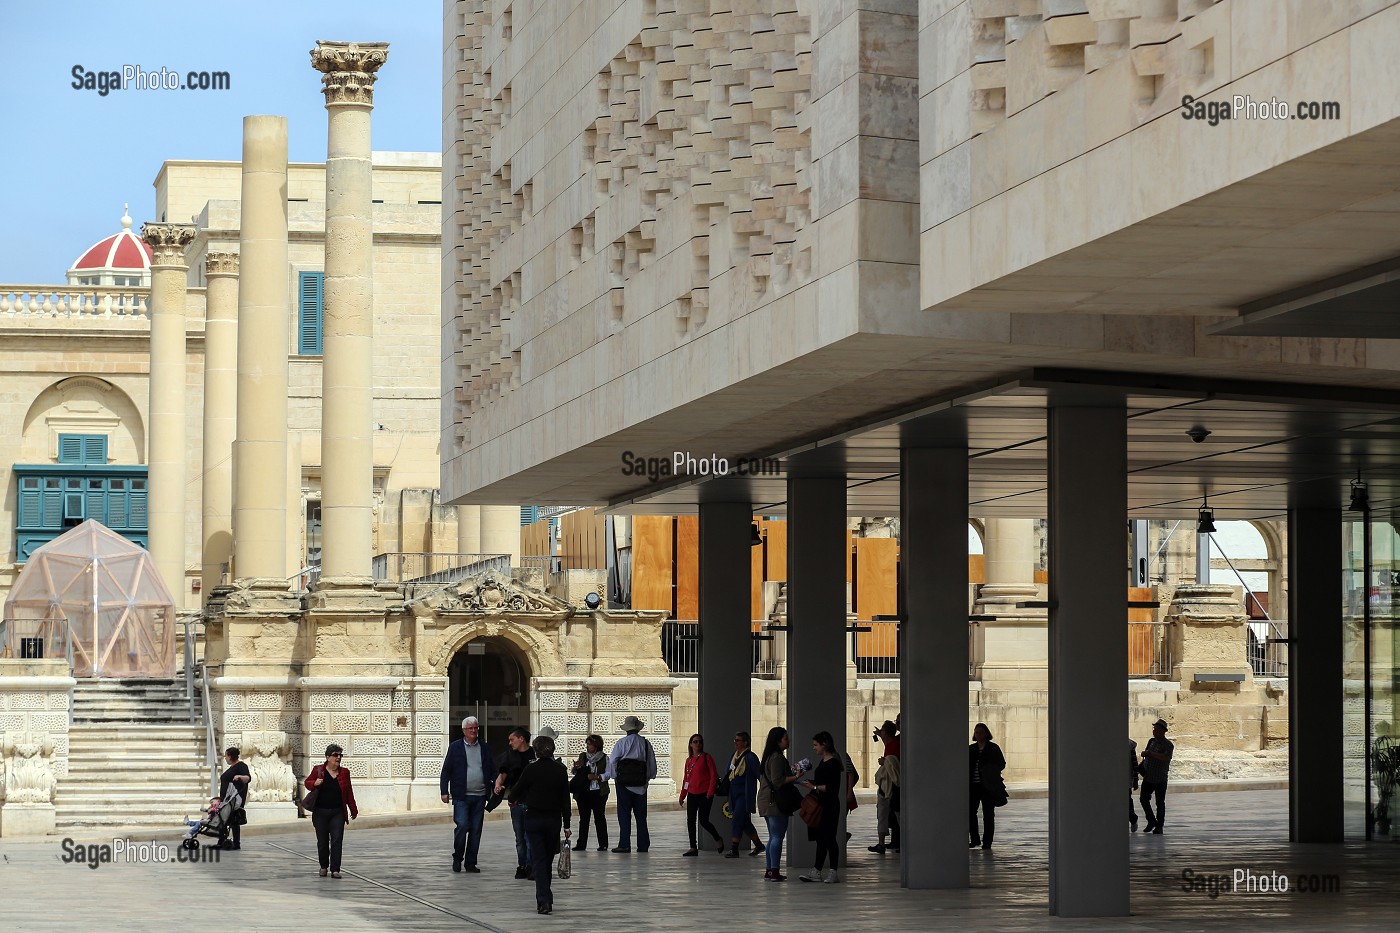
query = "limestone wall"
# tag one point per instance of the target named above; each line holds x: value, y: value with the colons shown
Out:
x: 34, y: 709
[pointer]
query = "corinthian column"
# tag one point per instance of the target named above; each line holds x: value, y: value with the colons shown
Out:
x: 260, y: 451
x: 347, y: 396
x: 166, y: 454
x: 220, y: 417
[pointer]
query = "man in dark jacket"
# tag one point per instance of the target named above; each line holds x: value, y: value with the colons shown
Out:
x: 468, y: 774
x: 513, y: 762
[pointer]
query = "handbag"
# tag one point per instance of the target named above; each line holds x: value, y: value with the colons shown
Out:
x: 811, y: 811
x: 722, y: 785
x: 786, y: 797
x: 565, y: 864
x: 309, y: 801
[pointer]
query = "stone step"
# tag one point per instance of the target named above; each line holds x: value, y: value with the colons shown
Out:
x: 135, y: 730
x: 155, y: 797
x: 90, y: 817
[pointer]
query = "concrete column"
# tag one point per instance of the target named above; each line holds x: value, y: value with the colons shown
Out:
x: 726, y: 642
x: 468, y: 529
x: 220, y: 418
x: 1088, y: 503
x: 260, y: 447
x: 1315, y: 701
x: 168, y: 391
x: 500, y: 531
x: 816, y: 641
x: 933, y: 666
x: 347, y: 392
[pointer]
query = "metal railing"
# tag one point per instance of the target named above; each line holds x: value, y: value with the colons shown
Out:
x: 875, y: 649
x: 1268, y: 648
x: 35, y: 639
x: 680, y: 647
x: 548, y: 564
x: 1148, y: 649
x: 211, y: 754
x: 406, y: 567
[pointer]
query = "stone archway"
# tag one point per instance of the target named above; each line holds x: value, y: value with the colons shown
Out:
x: 489, y: 677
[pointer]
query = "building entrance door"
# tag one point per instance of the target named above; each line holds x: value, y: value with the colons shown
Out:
x: 489, y: 678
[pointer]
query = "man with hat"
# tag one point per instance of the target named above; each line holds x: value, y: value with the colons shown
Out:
x: 630, y: 766
x: 887, y: 789
x: 1156, y: 762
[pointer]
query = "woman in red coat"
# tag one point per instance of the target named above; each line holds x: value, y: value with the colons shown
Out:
x: 335, y: 806
x: 698, y: 792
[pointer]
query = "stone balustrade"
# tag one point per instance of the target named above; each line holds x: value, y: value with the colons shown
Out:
x: 87, y: 302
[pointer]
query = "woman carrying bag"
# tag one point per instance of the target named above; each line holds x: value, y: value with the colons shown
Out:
x: 332, y: 805
x: 742, y: 787
x: 988, y: 790
x: 590, y: 792
x: 778, y: 799
x: 544, y: 789
x: 698, y: 793
x: 828, y: 786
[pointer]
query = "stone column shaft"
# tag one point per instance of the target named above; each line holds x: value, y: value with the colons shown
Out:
x: 500, y: 531
x: 166, y: 457
x: 220, y: 417
x: 469, y: 529
x: 260, y: 451
x: 347, y: 393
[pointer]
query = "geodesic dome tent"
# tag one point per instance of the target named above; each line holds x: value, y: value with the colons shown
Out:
x: 99, y: 593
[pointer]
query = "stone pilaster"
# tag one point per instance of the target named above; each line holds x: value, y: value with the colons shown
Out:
x: 220, y: 418
x: 168, y: 390
x: 347, y: 407
x: 1207, y: 635
x: 260, y: 448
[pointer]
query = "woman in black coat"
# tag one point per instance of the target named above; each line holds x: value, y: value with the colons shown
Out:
x: 985, y: 764
x: 544, y: 789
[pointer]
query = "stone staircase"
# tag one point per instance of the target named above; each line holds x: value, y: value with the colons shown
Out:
x: 134, y: 758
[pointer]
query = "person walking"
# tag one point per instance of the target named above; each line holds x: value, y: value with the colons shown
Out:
x: 333, y: 807
x: 742, y: 778
x: 1133, y: 777
x: 542, y: 791
x: 775, y: 774
x: 1156, y: 762
x: 985, y: 764
x: 698, y: 793
x: 591, y: 792
x: 468, y: 770
x: 887, y: 789
x: 513, y: 762
x: 631, y: 765
x: 828, y: 782
x: 237, y: 773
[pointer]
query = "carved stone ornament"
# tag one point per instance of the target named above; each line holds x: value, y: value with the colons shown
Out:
x: 490, y: 593
x: 220, y: 263
x: 167, y: 242
x: 28, y: 758
x: 348, y: 70
x: 268, y: 755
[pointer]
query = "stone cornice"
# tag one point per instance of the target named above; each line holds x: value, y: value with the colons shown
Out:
x: 216, y: 263
x: 168, y: 242
x: 348, y: 70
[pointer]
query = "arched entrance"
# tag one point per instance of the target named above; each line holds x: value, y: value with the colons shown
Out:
x: 489, y: 678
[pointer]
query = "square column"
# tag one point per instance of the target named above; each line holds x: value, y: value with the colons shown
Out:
x: 1088, y: 646
x: 1315, y: 701
x: 726, y: 640
x: 933, y: 666
x: 816, y: 642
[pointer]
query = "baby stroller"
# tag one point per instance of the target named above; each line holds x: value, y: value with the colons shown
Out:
x: 217, y: 820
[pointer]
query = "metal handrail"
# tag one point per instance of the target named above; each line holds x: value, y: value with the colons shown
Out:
x: 209, y: 751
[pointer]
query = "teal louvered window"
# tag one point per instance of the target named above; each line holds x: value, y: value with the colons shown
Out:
x: 311, y: 290
x: 529, y: 514
x: 55, y: 497
x: 86, y: 449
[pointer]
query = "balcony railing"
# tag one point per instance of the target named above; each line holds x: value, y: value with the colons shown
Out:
x: 1148, y: 650
x: 435, y: 569
x: 39, y: 303
x: 1268, y: 648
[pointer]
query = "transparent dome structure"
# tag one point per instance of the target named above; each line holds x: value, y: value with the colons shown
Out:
x: 96, y: 597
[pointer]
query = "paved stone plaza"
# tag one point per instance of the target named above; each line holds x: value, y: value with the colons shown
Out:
x: 399, y: 879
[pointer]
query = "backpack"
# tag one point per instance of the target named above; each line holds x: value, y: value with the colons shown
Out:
x: 630, y: 772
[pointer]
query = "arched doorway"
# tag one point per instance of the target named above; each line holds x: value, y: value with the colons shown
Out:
x: 489, y: 678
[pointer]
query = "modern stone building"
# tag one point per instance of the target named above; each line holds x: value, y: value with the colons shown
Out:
x: 947, y: 258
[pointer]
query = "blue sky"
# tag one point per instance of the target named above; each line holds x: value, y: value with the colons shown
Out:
x: 71, y: 158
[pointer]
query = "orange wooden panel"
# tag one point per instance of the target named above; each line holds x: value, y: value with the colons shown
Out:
x: 850, y: 554
x: 688, y: 567
x: 976, y: 568
x: 1042, y: 576
x: 652, y: 565
x: 534, y: 539
x: 1141, y: 638
x: 882, y: 641
x: 775, y: 560
x: 1141, y: 594
x: 876, y: 562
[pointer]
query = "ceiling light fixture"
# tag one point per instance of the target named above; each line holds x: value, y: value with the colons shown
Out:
x: 1205, y: 518
x: 755, y: 539
x: 1360, y: 500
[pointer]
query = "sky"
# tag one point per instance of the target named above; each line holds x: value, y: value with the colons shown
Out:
x: 71, y: 158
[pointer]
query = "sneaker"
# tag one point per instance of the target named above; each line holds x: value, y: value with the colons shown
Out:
x: 324, y: 872
x: 810, y: 874
x: 777, y: 877
x: 756, y: 850
x: 878, y: 849
x: 603, y: 847
x: 732, y: 853
x: 831, y: 877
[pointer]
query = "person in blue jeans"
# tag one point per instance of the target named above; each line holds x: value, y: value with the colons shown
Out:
x: 775, y: 772
x: 468, y: 772
x: 743, y: 792
x: 513, y: 762
x: 631, y: 764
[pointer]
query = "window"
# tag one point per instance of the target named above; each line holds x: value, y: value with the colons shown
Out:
x: 310, y: 306
x: 53, y: 499
x: 86, y: 449
x: 528, y: 514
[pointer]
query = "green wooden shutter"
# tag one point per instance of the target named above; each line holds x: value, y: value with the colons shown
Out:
x: 31, y: 510
x: 311, y: 304
x: 82, y: 448
x: 138, y: 509
x: 52, y: 509
x: 94, y: 448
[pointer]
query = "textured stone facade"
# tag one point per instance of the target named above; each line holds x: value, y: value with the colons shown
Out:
x: 34, y: 707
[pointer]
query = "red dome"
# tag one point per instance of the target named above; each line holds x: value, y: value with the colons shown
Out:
x: 123, y: 250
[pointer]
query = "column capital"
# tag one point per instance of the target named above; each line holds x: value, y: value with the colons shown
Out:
x: 216, y: 264
x: 348, y: 70
x: 168, y: 242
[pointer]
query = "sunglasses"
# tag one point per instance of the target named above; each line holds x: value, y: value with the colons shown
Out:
x: 335, y: 755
